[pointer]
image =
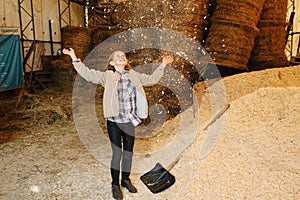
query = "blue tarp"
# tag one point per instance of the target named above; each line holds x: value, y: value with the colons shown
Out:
x: 11, y: 66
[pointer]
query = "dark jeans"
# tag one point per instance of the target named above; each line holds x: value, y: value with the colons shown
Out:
x: 121, y: 137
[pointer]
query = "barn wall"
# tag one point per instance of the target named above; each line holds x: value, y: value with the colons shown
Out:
x: 44, y: 11
x: 48, y: 9
x: 296, y: 27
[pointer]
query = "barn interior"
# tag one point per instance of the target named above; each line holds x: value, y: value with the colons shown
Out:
x: 243, y: 53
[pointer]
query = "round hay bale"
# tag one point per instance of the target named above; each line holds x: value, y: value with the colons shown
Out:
x: 246, y: 12
x: 191, y: 20
x: 274, y: 10
x: 269, y: 46
x: 100, y: 14
x: 269, y: 49
x: 102, y: 32
x: 78, y: 38
x: 63, y: 75
x: 233, y: 31
x: 138, y: 13
x: 192, y: 31
x: 230, y: 44
x: 185, y: 11
x: 143, y: 56
x: 161, y: 94
x: 189, y: 17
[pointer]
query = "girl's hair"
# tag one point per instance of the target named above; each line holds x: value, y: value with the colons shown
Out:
x: 110, y: 67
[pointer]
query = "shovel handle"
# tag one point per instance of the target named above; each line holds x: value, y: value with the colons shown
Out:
x: 173, y: 164
x: 217, y: 116
x: 211, y: 122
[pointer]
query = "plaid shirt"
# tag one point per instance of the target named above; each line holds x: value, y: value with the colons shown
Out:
x: 127, y: 99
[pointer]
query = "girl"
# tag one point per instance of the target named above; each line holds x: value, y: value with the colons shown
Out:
x: 124, y: 103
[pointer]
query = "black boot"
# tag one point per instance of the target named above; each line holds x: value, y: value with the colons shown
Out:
x: 116, y: 191
x: 127, y: 184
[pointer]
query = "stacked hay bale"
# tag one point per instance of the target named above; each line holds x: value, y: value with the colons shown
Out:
x: 78, y: 38
x: 187, y: 17
x: 233, y: 31
x: 63, y: 74
x: 107, y: 19
x: 129, y: 15
x: 270, y: 43
x: 99, y: 13
x: 138, y: 13
x: 100, y: 33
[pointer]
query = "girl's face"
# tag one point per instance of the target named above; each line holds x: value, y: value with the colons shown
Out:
x: 118, y: 59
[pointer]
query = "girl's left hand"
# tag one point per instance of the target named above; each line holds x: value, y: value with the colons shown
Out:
x: 167, y: 60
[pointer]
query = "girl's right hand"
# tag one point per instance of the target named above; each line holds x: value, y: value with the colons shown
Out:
x: 70, y: 52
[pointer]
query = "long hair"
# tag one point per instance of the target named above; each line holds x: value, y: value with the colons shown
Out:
x: 110, y: 67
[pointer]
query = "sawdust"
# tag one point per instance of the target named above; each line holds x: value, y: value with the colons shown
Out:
x: 255, y: 157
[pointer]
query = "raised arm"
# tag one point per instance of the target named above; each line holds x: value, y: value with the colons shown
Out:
x: 91, y: 75
x: 148, y: 80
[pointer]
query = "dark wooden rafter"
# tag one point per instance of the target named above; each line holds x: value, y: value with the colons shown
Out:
x: 30, y: 25
x: 290, y: 33
x: 83, y: 2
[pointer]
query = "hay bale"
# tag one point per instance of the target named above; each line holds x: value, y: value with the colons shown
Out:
x: 100, y: 13
x: 230, y: 44
x: 187, y: 17
x: 143, y: 56
x: 161, y: 93
x: 102, y: 32
x: 63, y: 75
x: 233, y: 31
x: 138, y: 13
x: 191, y: 21
x: 274, y: 10
x: 239, y: 12
x: 78, y: 38
x: 269, y: 49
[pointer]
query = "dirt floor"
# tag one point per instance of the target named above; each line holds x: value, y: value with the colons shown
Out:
x: 251, y: 152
